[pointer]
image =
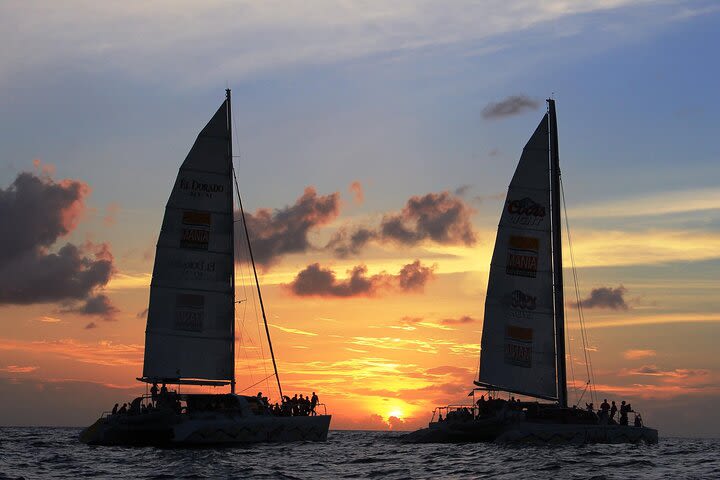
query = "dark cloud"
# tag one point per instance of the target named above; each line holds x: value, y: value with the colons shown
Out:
x: 322, y: 282
x: 462, y: 190
x: 655, y: 371
x: 90, y: 326
x: 344, y: 243
x: 142, y: 315
x: 606, y: 297
x: 98, y: 305
x: 512, y: 105
x: 317, y: 281
x: 457, y: 321
x: 414, y: 276
x: 440, y: 217
x: 36, y: 212
x: 283, y: 231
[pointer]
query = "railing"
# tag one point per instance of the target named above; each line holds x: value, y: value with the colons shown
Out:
x: 321, y: 405
x: 473, y: 409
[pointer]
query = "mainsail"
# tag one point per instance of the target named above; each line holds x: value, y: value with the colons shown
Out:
x: 189, y: 335
x: 518, y: 340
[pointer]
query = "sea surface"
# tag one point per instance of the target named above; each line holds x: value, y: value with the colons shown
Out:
x: 33, y: 452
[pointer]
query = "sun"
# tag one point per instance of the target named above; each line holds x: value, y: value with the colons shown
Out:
x: 396, y: 412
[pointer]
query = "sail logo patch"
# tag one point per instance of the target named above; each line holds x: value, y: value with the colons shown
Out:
x: 522, y: 300
x: 522, y: 305
x: 526, y: 212
x: 195, y: 188
x: 522, y: 256
x: 197, y: 233
x: 197, y: 218
x: 189, y: 312
x: 518, y: 346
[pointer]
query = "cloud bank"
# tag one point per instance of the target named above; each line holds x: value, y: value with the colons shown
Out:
x: 284, y: 231
x: 512, y: 105
x: 37, y: 211
x: 606, y: 297
x: 315, y: 280
x: 442, y: 218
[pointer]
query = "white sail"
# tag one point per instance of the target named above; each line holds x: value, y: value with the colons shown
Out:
x: 518, y: 345
x: 190, y: 318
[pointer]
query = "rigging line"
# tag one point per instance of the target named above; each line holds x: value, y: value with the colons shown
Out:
x: 244, y: 290
x: 257, y: 283
x: 569, y: 352
x: 257, y: 320
x: 581, y: 313
x: 257, y: 383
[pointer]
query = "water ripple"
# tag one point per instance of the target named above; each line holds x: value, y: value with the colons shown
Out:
x: 55, y: 453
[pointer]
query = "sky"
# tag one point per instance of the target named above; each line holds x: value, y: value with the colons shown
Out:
x: 375, y: 143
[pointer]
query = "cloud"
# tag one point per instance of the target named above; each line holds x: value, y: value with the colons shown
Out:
x: 638, y: 354
x: 98, y: 305
x: 396, y: 423
x: 414, y: 276
x: 606, y: 297
x: 357, y: 190
x: 440, y: 217
x: 48, y: 319
x: 677, y: 373
x: 315, y: 280
x: 512, y: 105
x: 246, y: 38
x: 142, y: 314
x: 38, y: 211
x: 18, y: 369
x: 457, y: 321
x: 103, y: 352
x: 284, y: 231
x: 90, y: 326
x: 344, y: 243
x: 294, y: 330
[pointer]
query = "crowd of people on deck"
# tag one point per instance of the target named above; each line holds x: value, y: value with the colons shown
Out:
x: 297, y: 406
x: 605, y: 415
x: 161, y: 398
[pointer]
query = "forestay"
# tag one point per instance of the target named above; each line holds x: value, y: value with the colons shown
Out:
x: 517, y: 348
x: 189, y: 326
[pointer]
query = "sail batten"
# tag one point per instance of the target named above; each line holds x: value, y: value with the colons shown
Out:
x: 518, y: 344
x: 189, y: 335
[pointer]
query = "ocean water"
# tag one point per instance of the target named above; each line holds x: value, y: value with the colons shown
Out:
x: 55, y: 453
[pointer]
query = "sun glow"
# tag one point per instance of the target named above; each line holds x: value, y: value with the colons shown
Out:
x: 396, y: 412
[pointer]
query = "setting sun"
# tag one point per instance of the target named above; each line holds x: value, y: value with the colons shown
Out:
x: 396, y: 412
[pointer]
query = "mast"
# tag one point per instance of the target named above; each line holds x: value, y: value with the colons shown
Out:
x: 232, y: 235
x: 257, y: 282
x: 559, y: 305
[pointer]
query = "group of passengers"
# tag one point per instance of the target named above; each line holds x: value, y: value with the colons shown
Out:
x: 160, y: 399
x: 606, y: 413
x: 297, y: 406
x: 604, y: 416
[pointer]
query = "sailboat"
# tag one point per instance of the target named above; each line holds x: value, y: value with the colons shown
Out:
x: 523, y: 337
x: 190, y: 335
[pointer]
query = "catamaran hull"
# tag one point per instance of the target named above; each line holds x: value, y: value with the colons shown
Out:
x: 220, y: 430
x: 531, y: 433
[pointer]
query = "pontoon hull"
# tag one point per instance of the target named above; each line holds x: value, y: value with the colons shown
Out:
x: 530, y: 433
x: 182, y: 430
